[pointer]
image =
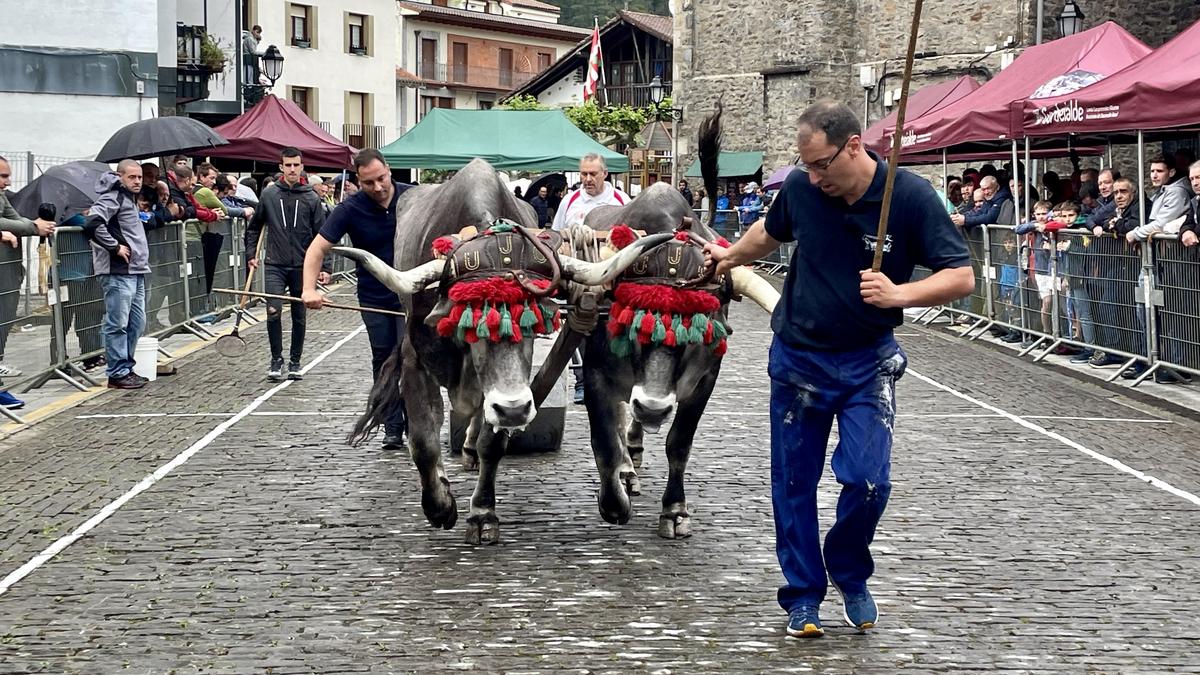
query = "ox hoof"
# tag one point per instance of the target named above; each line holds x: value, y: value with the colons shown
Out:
x: 614, y: 506
x: 633, y: 486
x: 470, y: 460
x: 439, y: 506
x: 483, y: 529
x: 674, y: 526
x: 635, y: 454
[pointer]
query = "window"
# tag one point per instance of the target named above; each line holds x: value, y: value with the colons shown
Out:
x: 543, y: 61
x: 459, y: 60
x: 430, y: 102
x: 357, y: 129
x: 428, y: 65
x: 302, y: 97
x: 506, y: 67
x: 356, y: 37
x: 301, y: 23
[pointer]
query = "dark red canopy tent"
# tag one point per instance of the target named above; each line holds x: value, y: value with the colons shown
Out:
x: 878, y: 136
x: 1156, y: 92
x: 274, y: 124
x: 983, y: 117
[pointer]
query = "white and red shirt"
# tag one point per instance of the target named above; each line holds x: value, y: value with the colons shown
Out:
x: 578, y: 204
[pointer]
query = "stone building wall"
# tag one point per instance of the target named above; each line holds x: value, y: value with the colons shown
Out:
x: 767, y: 60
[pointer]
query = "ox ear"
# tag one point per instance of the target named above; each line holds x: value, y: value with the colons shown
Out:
x: 600, y: 273
x: 748, y: 284
x: 403, y: 283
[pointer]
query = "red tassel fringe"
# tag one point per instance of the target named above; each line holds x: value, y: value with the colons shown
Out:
x: 621, y: 236
x: 653, y: 298
x: 443, y: 246
x: 492, y: 289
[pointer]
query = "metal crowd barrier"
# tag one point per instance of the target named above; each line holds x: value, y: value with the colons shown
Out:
x: 1084, y: 291
x: 56, y: 333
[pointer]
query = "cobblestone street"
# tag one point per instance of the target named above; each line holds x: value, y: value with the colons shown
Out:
x: 1015, y: 538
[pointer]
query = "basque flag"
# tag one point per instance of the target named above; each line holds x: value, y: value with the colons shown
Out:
x: 595, y: 63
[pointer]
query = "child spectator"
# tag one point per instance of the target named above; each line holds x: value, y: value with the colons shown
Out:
x: 1043, y: 244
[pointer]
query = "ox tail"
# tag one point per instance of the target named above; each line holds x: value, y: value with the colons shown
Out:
x: 709, y: 150
x: 385, y: 398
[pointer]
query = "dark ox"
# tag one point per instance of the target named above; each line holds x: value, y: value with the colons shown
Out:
x: 487, y: 381
x: 627, y: 394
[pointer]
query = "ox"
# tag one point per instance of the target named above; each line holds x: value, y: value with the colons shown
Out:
x: 473, y: 333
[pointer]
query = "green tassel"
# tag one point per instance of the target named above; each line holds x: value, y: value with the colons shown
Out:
x: 528, y: 319
x: 660, y: 331
x: 501, y: 226
x: 481, y: 330
x: 505, y: 322
x: 548, y: 318
x: 699, y: 323
x: 464, y: 324
x: 620, y: 347
x: 681, y: 335
x: 636, y: 325
x: 719, y: 332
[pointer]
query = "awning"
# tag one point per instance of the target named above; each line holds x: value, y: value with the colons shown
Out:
x: 523, y: 140
x: 273, y: 124
x: 731, y: 165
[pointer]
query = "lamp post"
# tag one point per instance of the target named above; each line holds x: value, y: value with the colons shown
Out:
x: 657, y: 95
x: 1070, y: 20
x: 272, y: 69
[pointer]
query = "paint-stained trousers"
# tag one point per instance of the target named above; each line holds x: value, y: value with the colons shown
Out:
x: 809, y: 390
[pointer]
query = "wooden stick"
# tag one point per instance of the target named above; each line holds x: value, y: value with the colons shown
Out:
x: 881, y: 235
x: 289, y: 298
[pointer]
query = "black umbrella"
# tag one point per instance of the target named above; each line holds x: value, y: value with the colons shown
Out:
x: 70, y: 187
x: 159, y: 137
x: 546, y: 180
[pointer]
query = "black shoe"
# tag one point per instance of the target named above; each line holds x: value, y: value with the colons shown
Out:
x: 275, y: 372
x: 1011, y: 337
x: 579, y: 395
x: 1169, y: 376
x: 1134, y: 371
x: 294, y: 371
x: 393, y: 439
x: 126, y: 381
x: 90, y: 364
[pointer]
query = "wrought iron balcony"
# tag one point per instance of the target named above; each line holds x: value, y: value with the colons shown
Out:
x: 472, y: 76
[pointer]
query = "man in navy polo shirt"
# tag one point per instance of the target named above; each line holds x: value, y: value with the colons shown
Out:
x: 369, y: 218
x: 834, y: 356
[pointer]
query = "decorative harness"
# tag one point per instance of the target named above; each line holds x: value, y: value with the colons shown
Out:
x: 497, y: 282
x: 655, y: 301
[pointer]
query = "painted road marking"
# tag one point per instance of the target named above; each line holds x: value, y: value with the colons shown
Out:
x: 149, y: 481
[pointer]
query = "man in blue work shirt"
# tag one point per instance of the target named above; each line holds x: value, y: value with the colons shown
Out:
x: 834, y: 356
x: 369, y: 218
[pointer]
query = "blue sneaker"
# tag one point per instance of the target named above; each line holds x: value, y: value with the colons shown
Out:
x: 11, y: 402
x: 859, y: 610
x: 805, y: 622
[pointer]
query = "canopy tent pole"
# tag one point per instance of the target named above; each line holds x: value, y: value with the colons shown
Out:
x: 1028, y: 183
x: 945, y: 173
x: 1109, y: 153
x: 1141, y: 187
x: 1017, y: 178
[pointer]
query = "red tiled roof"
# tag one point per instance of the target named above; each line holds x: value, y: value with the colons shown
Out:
x: 658, y: 26
x: 537, y: 4
x: 405, y: 77
x: 496, y: 22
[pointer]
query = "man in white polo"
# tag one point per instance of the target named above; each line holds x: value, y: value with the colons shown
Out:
x: 593, y: 191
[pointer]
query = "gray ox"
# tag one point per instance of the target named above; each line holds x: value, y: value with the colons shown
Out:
x: 488, y: 382
x: 626, y: 395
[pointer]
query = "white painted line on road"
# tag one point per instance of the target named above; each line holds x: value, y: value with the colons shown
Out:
x: 109, y: 416
x: 317, y: 413
x: 1114, y: 463
x: 149, y: 481
x: 1134, y: 420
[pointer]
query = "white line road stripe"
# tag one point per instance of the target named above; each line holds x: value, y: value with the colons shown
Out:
x: 745, y: 413
x: 149, y: 481
x: 1114, y: 463
x: 106, y: 416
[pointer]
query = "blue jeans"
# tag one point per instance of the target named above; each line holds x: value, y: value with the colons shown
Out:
x: 124, y: 320
x: 809, y: 389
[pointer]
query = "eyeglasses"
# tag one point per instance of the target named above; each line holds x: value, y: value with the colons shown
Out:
x: 822, y: 166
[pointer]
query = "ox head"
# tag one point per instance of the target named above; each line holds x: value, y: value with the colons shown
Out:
x: 494, y: 297
x: 670, y: 321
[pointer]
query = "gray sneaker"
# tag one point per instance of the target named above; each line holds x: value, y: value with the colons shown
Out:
x: 294, y: 371
x: 275, y: 372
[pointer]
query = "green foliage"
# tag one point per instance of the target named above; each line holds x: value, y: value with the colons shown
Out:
x: 429, y: 176
x: 618, y: 126
x: 211, y: 54
x: 580, y: 12
x: 523, y: 102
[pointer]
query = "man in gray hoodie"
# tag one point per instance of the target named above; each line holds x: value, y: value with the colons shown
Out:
x: 292, y: 214
x: 121, y: 258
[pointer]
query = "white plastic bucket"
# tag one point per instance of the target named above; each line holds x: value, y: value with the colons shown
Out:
x: 145, y: 358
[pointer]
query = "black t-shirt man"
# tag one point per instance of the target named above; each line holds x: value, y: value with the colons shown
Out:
x: 371, y: 228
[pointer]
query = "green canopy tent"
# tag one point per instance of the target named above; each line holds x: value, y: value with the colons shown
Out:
x: 525, y: 140
x: 731, y: 165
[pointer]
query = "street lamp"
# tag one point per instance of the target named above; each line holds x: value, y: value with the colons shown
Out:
x: 1070, y: 21
x: 658, y: 94
x: 272, y: 64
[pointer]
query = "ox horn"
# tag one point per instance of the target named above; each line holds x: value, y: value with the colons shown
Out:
x: 600, y: 273
x: 403, y: 283
x: 749, y: 285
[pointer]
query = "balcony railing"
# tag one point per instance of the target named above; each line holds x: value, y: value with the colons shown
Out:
x: 472, y: 76
x: 362, y: 136
x: 636, y: 95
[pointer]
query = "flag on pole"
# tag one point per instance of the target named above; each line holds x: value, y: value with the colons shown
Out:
x: 595, y: 65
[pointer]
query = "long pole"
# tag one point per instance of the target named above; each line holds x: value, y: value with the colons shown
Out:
x: 881, y: 234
